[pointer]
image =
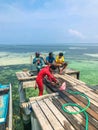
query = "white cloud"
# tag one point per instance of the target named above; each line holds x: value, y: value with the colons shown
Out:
x: 76, y: 33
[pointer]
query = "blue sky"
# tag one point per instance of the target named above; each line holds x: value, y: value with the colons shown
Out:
x: 48, y: 21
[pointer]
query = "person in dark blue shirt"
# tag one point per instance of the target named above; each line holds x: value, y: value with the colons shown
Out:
x: 50, y: 59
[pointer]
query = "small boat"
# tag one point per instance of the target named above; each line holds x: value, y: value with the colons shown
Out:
x: 4, y: 105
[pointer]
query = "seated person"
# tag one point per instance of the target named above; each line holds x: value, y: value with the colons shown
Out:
x: 50, y: 59
x: 60, y: 63
x: 38, y: 61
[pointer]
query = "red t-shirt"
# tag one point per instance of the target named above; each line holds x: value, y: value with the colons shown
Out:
x: 45, y: 72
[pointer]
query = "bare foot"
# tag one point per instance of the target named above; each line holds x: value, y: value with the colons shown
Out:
x: 61, y: 71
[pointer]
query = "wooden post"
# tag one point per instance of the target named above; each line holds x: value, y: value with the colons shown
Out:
x: 34, y: 122
x: 22, y: 94
x: 10, y: 110
x: 26, y: 121
x: 31, y: 62
x: 33, y: 99
x: 25, y: 114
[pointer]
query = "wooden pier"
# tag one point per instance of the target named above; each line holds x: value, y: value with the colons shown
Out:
x: 47, y: 112
x: 27, y: 80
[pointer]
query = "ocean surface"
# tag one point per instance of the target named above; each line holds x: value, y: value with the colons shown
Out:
x: 12, y: 54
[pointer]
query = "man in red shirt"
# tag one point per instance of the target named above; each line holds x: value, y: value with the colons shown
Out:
x: 47, y: 71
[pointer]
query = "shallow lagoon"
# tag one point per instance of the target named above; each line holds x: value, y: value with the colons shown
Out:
x: 12, y: 60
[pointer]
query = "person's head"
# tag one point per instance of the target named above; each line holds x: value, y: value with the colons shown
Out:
x: 60, y: 54
x: 52, y: 68
x: 37, y: 54
x: 50, y: 54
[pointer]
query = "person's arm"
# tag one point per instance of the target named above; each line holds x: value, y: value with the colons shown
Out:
x: 56, y: 59
x: 34, y: 60
x: 42, y: 60
x: 47, y: 60
x: 51, y: 77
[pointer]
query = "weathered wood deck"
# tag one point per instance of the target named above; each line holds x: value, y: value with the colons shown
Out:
x: 29, y: 81
x: 48, y: 113
x: 77, y: 85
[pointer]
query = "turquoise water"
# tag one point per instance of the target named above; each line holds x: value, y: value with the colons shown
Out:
x: 71, y: 52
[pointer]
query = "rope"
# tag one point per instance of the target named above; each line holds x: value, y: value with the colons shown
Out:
x: 81, y: 109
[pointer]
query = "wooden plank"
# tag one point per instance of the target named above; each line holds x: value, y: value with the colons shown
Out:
x: 67, y: 77
x: 58, y: 103
x: 33, y: 99
x: 72, y: 73
x: 80, y: 119
x: 45, y: 125
x: 92, y: 120
x: 86, y: 90
x: 28, y: 84
x: 91, y: 126
x: 24, y: 76
x: 10, y: 110
x: 96, y: 91
x: 28, y: 74
x: 42, y: 97
x: 68, y: 70
x: 93, y: 115
x: 82, y: 85
x: 71, y: 79
x: 92, y: 99
x: 51, y: 117
x: 9, y: 120
x: 92, y: 95
x: 92, y: 105
x: 58, y: 114
x: 91, y: 112
x: 80, y: 88
x: 18, y: 75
